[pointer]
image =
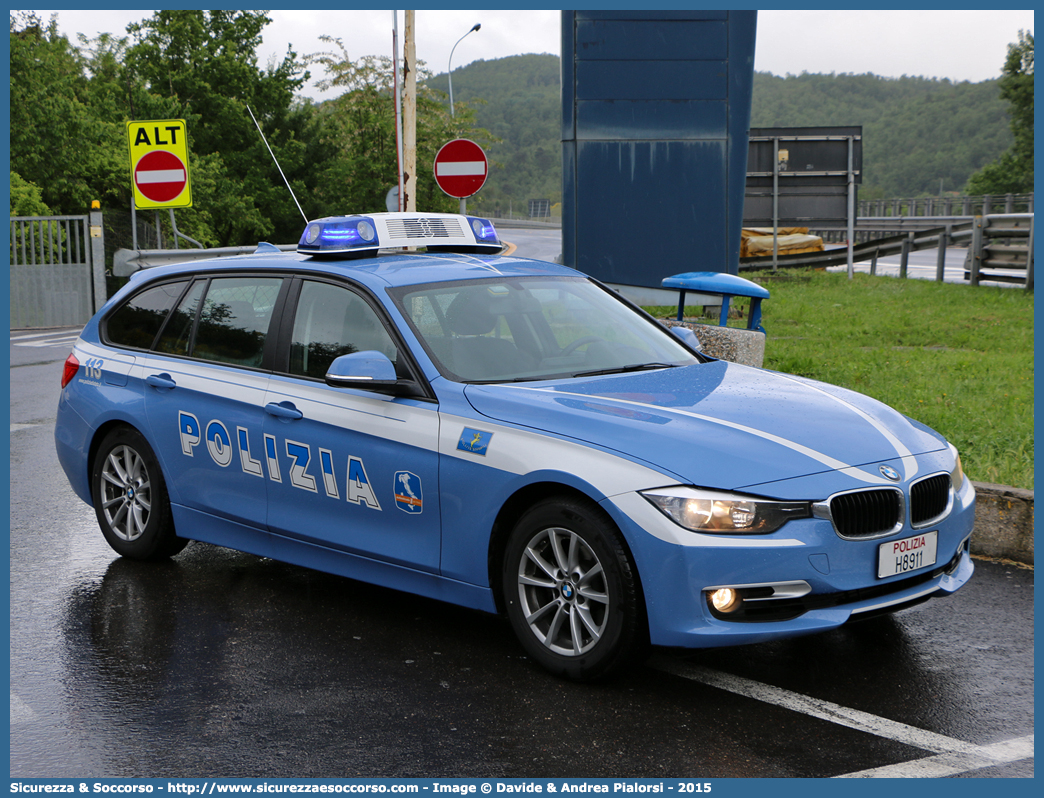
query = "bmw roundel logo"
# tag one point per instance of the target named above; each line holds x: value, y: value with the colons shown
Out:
x: 567, y: 590
x: 889, y: 473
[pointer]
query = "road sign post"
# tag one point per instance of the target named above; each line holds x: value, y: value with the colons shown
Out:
x: 461, y: 168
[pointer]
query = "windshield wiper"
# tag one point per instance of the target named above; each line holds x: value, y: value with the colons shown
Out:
x: 625, y: 369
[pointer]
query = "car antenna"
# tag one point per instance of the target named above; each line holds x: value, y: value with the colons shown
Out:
x: 298, y: 204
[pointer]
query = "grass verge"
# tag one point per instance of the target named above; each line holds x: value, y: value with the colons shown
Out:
x: 956, y: 358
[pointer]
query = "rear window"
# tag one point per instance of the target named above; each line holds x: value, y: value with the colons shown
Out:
x: 137, y: 321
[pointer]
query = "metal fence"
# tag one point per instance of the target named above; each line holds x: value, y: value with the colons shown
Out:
x: 947, y: 205
x: 51, y: 278
x: 996, y: 242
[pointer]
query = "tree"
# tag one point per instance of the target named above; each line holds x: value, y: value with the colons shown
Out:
x: 1012, y: 173
x: 360, y: 125
x: 201, y: 66
x: 54, y: 142
x: 26, y: 199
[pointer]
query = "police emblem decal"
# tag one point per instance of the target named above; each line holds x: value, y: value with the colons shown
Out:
x: 409, y: 495
x: 474, y: 441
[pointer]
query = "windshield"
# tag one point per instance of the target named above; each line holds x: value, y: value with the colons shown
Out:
x: 534, y: 329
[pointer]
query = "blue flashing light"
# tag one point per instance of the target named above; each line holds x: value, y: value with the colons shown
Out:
x: 339, y: 236
x: 484, y: 231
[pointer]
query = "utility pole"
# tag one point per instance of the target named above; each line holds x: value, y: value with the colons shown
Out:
x: 398, y: 109
x: 409, y: 114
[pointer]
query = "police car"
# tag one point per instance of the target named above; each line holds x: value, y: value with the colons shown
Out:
x: 397, y: 402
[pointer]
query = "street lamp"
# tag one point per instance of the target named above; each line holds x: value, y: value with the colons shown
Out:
x: 449, y: 70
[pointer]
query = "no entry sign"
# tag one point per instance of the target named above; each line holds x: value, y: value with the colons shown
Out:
x: 160, y: 176
x: 159, y: 163
x: 460, y: 168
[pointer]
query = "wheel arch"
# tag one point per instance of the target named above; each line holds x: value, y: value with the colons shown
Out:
x: 100, y: 434
x: 518, y: 503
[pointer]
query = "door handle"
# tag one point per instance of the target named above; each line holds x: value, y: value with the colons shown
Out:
x: 161, y: 381
x: 283, y: 410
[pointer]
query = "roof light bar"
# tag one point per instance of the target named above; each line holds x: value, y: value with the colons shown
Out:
x: 357, y: 236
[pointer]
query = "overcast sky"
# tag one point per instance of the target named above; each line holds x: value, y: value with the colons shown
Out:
x: 955, y: 44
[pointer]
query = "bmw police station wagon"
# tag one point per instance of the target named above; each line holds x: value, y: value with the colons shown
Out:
x: 504, y: 434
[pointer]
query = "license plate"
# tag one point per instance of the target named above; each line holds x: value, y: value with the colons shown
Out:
x: 902, y: 556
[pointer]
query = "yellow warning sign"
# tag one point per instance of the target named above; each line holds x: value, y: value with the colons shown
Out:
x: 159, y: 163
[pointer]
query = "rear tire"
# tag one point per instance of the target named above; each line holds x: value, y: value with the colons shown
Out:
x: 571, y: 590
x: 130, y: 498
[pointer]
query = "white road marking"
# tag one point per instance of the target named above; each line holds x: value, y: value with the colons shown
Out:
x: 952, y: 764
x: 954, y: 756
x: 45, y: 339
x: 16, y: 427
x: 65, y: 340
x: 35, y: 335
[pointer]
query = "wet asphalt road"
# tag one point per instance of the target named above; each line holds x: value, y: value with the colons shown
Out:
x: 222, y: 664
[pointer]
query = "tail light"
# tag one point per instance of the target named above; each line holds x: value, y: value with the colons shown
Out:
x: 72, y: 365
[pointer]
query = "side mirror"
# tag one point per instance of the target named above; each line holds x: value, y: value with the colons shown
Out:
x: 369, y: 371
x: 687, y: 337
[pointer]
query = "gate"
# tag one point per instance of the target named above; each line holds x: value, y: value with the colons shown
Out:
x: 52, y: 275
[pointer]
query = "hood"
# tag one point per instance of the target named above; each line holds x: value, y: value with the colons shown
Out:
x: 719, y: 425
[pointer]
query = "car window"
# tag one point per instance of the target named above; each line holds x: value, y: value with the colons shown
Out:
x: 233, y: 321
x: 529, y: 329
x: 176, y: 335
x: 136, y: 322
x: 332, y: 321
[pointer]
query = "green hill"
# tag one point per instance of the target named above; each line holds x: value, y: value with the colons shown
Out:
x: 916, y: 131
x: 518, y: 100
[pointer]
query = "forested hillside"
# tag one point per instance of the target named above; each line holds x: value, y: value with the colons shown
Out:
x: 916, y: 131
x: 517, y: 99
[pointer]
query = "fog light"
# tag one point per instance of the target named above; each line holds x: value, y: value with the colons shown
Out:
x: 725, y: 599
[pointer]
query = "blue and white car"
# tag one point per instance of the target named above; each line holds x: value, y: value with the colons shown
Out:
x: 500, y: 433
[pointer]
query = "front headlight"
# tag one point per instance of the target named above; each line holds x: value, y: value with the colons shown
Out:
x: 957, y: 475
x: 724, y: 513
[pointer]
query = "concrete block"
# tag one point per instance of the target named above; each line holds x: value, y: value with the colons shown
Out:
x: 1003, y: 522
x: 727, y: 343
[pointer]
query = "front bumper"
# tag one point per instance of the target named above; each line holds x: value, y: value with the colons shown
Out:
x: 677, y: 567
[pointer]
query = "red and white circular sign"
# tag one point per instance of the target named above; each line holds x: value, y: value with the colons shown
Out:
x: 160, y: 175
x: 460, y: 168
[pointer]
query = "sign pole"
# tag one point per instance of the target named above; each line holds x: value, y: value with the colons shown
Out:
x: 398, y: 108
x: 409, y: 113
x: 851, y: 206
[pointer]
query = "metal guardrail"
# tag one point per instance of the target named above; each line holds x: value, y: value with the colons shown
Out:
x: 997, y: 243
x: 127, y: 261
x: 993, y: 242
x: 554, y: 223
x: 869, y: 250
x: 971, y: 205
x: 989, y: 239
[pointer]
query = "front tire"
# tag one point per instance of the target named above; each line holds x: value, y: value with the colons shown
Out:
x: 571, y: 590
x: 130, y: 498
